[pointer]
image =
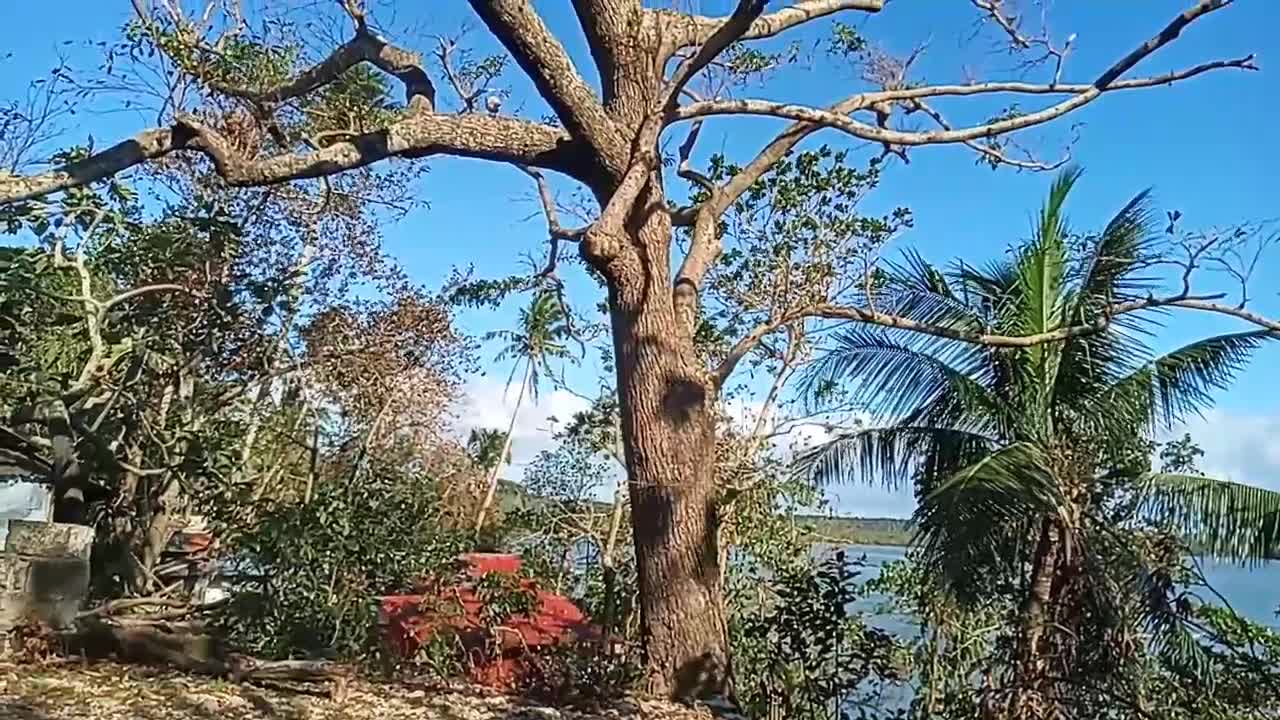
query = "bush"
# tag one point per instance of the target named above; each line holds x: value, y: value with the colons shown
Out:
x: 315, y: 570
x: 798, y: 648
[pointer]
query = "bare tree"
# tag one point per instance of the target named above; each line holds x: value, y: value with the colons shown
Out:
x: 609, y: 141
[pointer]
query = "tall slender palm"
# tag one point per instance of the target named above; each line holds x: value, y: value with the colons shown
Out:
x: 1021, y: 456
x: 540, y: 339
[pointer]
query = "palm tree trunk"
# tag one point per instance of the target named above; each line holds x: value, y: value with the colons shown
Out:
x: 492, y: 487
x: 1031, y: 660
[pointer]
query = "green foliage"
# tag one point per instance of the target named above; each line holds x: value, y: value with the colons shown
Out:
x: 503, y: 597
x: 801, y: 652
x: 955, y: 644
x: 794, y: 239
x: 316, y: 569
x: 1181, y: 456
x: 1031, y: 464
x: 484, y: 445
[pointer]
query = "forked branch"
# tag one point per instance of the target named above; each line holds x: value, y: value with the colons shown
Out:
x: 697, y: 29
x: 1079, y: 96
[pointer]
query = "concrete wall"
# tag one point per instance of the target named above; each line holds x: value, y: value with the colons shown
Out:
x: 44, y: 571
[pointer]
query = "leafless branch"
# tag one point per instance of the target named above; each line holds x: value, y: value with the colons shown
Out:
x: 989, y: 150
x: 685, y: 168
x: 697, y: 29
x: 496, y: 138
x: 1080, y: 95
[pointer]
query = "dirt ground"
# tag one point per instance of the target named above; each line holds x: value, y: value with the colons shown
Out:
x: 108, y: 691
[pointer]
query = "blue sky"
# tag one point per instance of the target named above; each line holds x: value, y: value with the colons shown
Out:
x: 1208, y: 147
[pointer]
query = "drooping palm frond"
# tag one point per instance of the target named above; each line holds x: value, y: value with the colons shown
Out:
x: 1164, y: 391
x: 893, y: 456
x: 974, y: 521
x: 929, y: 380
x: 1221, y: 518
x: 1138, y: 590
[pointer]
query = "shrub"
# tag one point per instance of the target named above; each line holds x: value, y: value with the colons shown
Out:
x: 800, y: 650
x: 316, y: 569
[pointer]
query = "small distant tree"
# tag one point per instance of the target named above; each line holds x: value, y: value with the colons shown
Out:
x: 540, y: 340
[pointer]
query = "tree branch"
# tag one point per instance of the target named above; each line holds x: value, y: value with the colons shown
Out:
x: 496, y: 138
x: 726, y: 33
x: 1205, y: 303
x: 697, y: 28
x: 406, y: 66
x: 522, y: 32
x: 609, y: 26
x: 1081, y: 94
x: 993, y: 154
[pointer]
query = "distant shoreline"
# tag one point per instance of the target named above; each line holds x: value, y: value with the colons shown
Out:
x: 894, y: 532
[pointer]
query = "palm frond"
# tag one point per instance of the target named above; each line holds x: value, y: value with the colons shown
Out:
x: 1221, y: 518
x: 1042, y: 263
x: 893, y: 456
x: 915, y: 289
x: 1106, y: 273
x: 895, y: 379
x: 1182, y: 382
x: 970, y: 526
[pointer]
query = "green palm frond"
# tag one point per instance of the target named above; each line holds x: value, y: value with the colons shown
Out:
x: 928, y: 380
x: 915, y: 289
x: 1106, y: 273
x: 1221, y: 518
x: 543, y: 329
x: 1042, y: 263
x: 1165, y: 390
x: 974, y: 521
x: 893, y: 456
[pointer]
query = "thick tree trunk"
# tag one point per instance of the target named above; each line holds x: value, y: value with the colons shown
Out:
x: 668, y: 426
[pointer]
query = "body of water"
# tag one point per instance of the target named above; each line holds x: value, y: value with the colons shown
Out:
x: 1254, y: 592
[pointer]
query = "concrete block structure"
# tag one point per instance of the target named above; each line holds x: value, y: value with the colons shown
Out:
x: 44, y: 572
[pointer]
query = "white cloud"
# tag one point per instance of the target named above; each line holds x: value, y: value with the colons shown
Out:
x: 845, y: 499
x: 489, y: 403
x: 1237, y: 447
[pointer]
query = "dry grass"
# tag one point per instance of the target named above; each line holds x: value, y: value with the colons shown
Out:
x: 108, y: 691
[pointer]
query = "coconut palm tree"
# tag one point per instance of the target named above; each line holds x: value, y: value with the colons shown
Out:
x: 485, y: 446
x: 1027, y: 460
x: 540, y: 338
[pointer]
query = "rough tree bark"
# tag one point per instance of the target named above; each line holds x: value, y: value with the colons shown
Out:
x: 609, y: 141
x: 667, y: 413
